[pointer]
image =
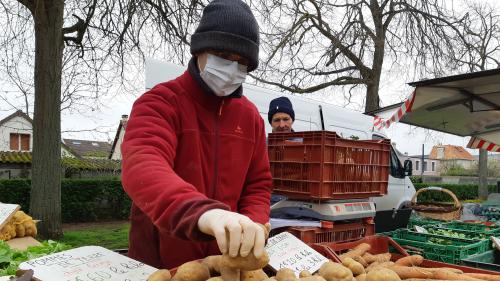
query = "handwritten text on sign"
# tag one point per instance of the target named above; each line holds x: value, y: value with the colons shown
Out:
x: 287, y: 251
x: 89, y: 263
x: 6, y: 211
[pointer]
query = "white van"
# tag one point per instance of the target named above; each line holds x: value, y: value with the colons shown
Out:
x: 392, y: 209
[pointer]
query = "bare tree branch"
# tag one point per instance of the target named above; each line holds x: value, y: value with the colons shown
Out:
x: 344, y: 80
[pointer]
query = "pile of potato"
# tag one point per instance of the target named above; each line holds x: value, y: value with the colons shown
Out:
x: 357, y: 265
x: 20, y: 225
x: 368, y: 267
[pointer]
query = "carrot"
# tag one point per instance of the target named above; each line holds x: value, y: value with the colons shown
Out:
x: 488, y: 277
x: 448, y: 275
x: 420, y: 279
x: 410, y: 261
x: 369, y: 258
x: 405, y: 272
x: 454, y: 270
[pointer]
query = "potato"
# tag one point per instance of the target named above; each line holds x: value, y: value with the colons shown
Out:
x: 377, y: 265
x: 160, y: 275
x: 192, y: 271
x: 20, y: 230
x: 335, y: 272
x: 305, y: 273
x: 372, y: 266
x: 230, y: 274
x: 359, y: 250
x: 30, y: 228
x: 360, y: 260
x: 406, y: 272
x: 382, y: 274
x: 286, y: 274
x: 354, y: 266
x: 8, y: 232
x: 448, y: 275
x: 312, y: 278
x: 247, y: 263
x: 216, y: 278
x: 414, y: 260
x: 369, y: 258
x: 254, y: 275
x: 361, y: 277
x: 213, y: 263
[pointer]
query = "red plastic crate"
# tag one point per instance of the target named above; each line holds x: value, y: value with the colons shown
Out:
x: 383, y: 244
x: 322, y: 165
x: 340, y: 232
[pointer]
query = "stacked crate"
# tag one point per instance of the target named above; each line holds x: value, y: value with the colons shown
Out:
x: 320, y: 166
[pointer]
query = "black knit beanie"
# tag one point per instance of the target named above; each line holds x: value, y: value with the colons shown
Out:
x: 281, y: 104
x: 228, y: 25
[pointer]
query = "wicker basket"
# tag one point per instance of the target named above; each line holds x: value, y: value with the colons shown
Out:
x: 438, y: 211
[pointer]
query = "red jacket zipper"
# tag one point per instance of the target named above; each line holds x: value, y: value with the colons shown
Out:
x: 216, y: 150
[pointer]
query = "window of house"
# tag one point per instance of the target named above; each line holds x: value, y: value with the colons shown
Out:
x: 417, y: 164
x: 425, y: 166
x: 433, y: 166
x: 19, y: 142
x: 440, y: 152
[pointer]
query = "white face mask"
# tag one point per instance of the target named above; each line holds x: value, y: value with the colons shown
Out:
x: 223, y: 76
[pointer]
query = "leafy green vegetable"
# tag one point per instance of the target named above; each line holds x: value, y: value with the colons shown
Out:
x: 10, y: 259
x: 457, y: 234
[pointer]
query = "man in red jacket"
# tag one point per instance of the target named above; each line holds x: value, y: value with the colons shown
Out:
x: 194, y: 155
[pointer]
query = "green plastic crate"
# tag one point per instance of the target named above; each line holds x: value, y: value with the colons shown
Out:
x: 485, y: 260
x: 416, y: 220
x: 469, y: 234
x: 458, y: 249
x: 476, y: 227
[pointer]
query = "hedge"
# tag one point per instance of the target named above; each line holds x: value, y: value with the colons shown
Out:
x: 85, y: 200
x: 82, y: 200
x: 462, y: 191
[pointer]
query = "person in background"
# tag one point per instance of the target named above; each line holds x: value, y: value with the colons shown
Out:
x: 194, y: 153
x: 281, y: 115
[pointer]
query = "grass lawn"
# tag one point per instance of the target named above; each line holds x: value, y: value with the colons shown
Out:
x: 112, y: 237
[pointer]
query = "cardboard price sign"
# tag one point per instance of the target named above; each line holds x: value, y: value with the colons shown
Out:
x: 89, y: 263
x: 287, y: 251
x: 6, y: 212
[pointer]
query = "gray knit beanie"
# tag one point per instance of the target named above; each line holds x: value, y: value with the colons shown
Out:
x: 228, y: 25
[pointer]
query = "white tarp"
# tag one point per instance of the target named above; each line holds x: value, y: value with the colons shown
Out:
x: 463, y: 105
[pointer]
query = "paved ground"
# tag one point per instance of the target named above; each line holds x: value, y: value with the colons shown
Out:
x: 90, y: 225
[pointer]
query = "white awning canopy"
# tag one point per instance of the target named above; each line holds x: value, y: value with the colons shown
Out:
x: 463, y: 105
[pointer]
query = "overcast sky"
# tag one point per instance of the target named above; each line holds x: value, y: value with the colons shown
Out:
x: 106, y: 118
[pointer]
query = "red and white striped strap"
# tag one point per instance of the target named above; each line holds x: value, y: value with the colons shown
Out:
x: 479, y: 143
x: 379, y: 122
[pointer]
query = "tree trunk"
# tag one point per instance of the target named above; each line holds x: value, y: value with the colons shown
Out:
x: 45, y: 202
x: 483, y: 174
x: 372, y: 99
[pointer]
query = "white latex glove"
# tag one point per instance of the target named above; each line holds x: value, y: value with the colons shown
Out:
x: 235, y: 233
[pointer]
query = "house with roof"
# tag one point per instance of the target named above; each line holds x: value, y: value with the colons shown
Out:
x: 425, y: 166
x: 16, y: 143
x: 452, y: 155
x: 89, y: 148
x: 16, y: 134
x: 440, y: 159
x: 116, y: 153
